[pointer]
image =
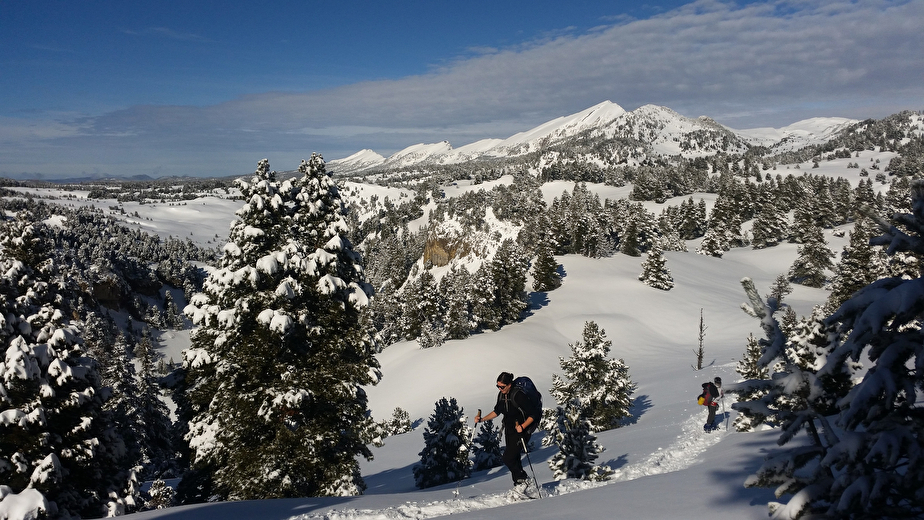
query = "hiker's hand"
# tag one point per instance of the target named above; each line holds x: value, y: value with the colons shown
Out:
x: 477, y: 419
x: 519, y: 428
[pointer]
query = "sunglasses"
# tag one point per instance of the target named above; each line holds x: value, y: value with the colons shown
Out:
x: 502, y: 386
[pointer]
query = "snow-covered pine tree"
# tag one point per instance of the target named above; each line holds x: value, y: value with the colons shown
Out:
x: 151, y: 418
x: 655, y: 272
x: 421, y: 308
x: 456, y: 288
x: 444, y: 457
x: 399, y: 423
x: 804, y: 221
x: 600, y: 385
x: 856, y: 268
x: 488, y: 449
x: 770, y: 226
x: 277, y: 365
x: 545, y: 270
x: 160, y: 495
x: 484, y: 312
x: 749, y: 369
x: 629, y: 242
x: 58, y: 454
x: 715, y: 241
x: 693, y: 224
x: 813, y: 259
x: 577, y: 445
x: 797, y: 396
x: 872, y: 467
x: 508, y: 270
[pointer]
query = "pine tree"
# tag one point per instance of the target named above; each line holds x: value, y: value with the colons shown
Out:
x: 599, y: 384
x: 151, y: 418
x: 770, y: 227
x: 56, y: 441
x: 577, y: 445
x: 508, y: 271
x: 801, y: 394
x: 654, y: 270
x: 693, y: 219
x: 456, y: 289
x: 629, y: 241
x: 545, y: 270
x: 488, y: 449
x: 277, y: 365
x: 870, y: 467
x: 160, y: 495
x: 856, y: 268
x: 483, y: 296
x: 399, y: 423
x: 421, y: 306
x: 749, y: 369
x: 444, y: 457
x: 780, y: 289
x: 716, y: 241
x: 814, y: 258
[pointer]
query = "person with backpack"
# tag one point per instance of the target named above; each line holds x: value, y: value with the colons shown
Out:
x: 708, y: 399
x: 521, y: 418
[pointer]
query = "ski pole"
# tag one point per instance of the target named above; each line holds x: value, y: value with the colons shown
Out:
x: 471, y: 439
x: 727, y: 415
x: 538, y: 489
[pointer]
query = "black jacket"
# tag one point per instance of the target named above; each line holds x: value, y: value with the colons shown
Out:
x: 514, y: 406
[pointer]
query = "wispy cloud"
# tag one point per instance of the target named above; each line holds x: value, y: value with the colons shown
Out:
x: 166, y: 32
x: 761, y: 64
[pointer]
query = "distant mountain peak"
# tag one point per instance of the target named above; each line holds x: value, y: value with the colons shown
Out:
x: 660, y: 129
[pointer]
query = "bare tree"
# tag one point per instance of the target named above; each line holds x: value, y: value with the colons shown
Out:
x: 702, y: 351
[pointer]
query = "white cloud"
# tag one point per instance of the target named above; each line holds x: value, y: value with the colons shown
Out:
x: 762, y: 64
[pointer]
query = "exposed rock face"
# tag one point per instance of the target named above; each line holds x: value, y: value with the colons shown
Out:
x: 109, y: 292
x: 440, y: 250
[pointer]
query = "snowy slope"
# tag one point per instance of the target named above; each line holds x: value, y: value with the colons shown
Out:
x: 666, y: 467
x: 360, y: 160
x: 559, y: 128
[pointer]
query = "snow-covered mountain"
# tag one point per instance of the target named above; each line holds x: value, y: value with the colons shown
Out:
x: 654, y: 129
x: 798, y: 135
x: 360, y: 160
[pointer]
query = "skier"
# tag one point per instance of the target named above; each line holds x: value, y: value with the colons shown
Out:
x: 708, y: 399
x: 520, y: 421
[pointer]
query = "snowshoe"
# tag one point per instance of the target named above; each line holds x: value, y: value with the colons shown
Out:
x: 524, y: 489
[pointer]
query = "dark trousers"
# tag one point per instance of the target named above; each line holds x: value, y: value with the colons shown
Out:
x: 710, y: 420
x: 513, y: 452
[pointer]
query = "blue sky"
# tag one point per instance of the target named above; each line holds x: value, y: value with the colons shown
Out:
x: 209, y: 88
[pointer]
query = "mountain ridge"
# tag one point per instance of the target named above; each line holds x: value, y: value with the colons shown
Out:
x: 665, y: 131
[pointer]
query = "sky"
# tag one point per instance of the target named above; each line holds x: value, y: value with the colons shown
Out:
x: 665, y: 466
x: 210, y: 88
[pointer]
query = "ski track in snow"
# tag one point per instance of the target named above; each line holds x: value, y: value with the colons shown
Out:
x: 683, y: 453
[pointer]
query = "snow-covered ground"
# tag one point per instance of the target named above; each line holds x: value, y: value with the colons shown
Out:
x: 665, y: 465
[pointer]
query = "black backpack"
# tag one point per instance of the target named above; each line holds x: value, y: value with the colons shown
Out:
x: 533, y: 397
x: 713, y: 391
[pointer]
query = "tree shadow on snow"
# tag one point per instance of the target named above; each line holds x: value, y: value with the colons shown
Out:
x: 746, y: 462
x: 618, y: 462
x: 395, y: 480
x: 640, y: 405
x: 538, y: 300
x: 535, y: 301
